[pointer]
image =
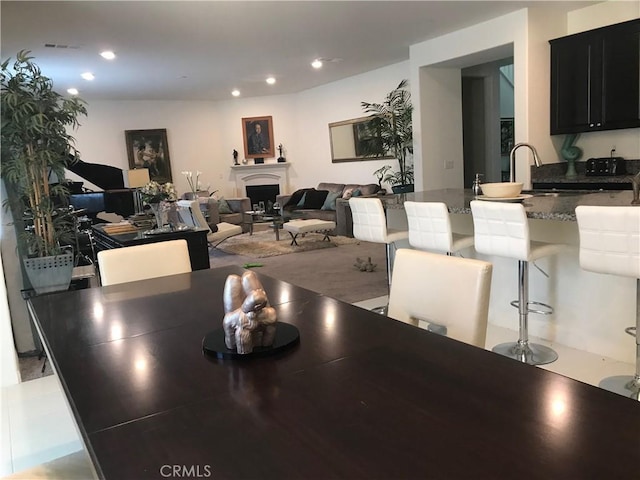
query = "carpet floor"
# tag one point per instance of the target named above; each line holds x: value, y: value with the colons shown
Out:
x: 264, y: 244
x: 331, y: 272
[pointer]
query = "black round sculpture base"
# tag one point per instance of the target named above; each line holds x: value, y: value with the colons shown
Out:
x: 287, y: 336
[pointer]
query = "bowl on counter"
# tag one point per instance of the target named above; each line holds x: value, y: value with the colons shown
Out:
x: 502, y: 189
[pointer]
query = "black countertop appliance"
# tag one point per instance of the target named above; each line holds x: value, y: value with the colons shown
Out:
x: 605, y: 167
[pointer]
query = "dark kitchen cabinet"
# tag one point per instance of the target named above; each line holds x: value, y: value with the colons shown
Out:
x: 595, y: 79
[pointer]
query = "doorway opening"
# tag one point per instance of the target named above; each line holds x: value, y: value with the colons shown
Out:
x: 487, y: 120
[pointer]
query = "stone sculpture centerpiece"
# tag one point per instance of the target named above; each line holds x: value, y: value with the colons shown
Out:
x: 249, y: 320
x: 249, y: 328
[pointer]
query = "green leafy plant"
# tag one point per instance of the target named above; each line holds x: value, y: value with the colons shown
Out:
x: 35, y: 149
x: 392, y: 120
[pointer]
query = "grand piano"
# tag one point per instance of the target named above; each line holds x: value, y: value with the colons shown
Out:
x: 120, y: 200
x: 115, y: 197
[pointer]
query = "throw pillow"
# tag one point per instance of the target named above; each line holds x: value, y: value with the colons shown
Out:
x: 300, y: 204
x: 223, y: 207
x: 330, y: 201
x: 294, y: 199
x: 347, y: 193
x: 314, y: 199
x: 356, y: 193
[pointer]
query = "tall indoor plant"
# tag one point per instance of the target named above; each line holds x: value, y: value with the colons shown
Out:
x: 393, y: 121
x: 36, y: 148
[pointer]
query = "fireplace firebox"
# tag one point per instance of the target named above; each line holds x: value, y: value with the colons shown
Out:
x: 263, y: 193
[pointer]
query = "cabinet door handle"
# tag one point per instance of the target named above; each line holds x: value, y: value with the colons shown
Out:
x: 599, y: 125
x: 591, y: 125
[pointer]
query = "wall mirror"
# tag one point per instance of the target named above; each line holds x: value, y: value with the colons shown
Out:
x: 356, y: 140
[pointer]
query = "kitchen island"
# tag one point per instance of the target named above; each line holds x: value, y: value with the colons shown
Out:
x: 591, y: 310
x: 542, y: 205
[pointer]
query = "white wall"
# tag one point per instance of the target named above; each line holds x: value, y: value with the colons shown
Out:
x: 453, y: 52
x: 8, y: 358
x: 203, y: 135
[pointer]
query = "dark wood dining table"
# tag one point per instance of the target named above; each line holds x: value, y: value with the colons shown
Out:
x: 361, y: 395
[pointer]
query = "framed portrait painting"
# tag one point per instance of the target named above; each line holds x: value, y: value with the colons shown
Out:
x: 149, y: 149
x: 257, y: 133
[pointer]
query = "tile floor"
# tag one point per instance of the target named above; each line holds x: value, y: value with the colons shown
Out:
x: 37, y: 426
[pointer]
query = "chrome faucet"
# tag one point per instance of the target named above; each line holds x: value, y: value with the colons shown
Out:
x: 512, y: 158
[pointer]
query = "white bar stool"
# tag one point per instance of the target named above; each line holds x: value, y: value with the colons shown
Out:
x: 370, y: 225
x: 430, y: 228
x: 502, y: 229
x: 610, y: 243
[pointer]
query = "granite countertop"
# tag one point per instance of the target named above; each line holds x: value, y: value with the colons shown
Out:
x: 556, y: 173
x: 539, y: 207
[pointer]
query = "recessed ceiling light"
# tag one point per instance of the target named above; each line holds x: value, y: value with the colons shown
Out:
x: 108, y: 55
x: 317, y: 63
x: 235, y: 93
x: 271, y: 80
x: 88, y: 76
x: 72, y: 91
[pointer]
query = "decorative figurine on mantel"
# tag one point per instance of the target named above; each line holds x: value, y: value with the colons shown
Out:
x: 249, y: 320
x: 235, y: 157
x: 281, y: 158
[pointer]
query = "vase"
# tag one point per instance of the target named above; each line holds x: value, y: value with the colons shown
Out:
x: 571, y: 153
x: 571, y: 168
x: 158, y: 212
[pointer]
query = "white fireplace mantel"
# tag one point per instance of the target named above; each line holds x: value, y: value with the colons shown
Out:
x: 261, y: 174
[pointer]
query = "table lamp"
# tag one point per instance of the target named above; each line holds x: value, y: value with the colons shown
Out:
x: 135, y: 179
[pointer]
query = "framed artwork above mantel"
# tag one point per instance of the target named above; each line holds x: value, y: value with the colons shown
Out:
x: 257, y: 134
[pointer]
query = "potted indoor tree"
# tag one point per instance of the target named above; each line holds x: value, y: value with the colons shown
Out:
x: 392, y: 121
x: 36, y: 148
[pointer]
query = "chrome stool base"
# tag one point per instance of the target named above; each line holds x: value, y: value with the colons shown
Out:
x: 381, y: 310
x: 625, y: 385
x: 529, y: 353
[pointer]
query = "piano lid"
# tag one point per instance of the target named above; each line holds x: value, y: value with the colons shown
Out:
x: 104, y: 176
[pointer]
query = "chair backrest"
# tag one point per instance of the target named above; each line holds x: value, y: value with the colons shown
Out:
x: 610, y: 239
x: 190, y: 214
x: 139, y: 262
x: 369, y: 219
x: 443, y: 290
x: 429, y: 226
x: 501, y: 229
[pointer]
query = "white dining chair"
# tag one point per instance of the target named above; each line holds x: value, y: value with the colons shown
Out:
x: 190, y: 214
x: 140, y: 262
x: 610, y: 243
x: 502, y: 229
x: 370, y: 225
x: 451, y: 294
x: 430, y: 228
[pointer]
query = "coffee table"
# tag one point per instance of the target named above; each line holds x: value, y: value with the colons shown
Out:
x: 275, y: 221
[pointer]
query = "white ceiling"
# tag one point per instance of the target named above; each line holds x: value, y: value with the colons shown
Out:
x: 201, y: 50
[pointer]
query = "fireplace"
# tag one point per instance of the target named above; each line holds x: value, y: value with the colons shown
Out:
x: 263, y: 193
x: 263, y: 174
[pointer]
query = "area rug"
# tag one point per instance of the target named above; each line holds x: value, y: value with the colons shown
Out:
x: 264, y: 244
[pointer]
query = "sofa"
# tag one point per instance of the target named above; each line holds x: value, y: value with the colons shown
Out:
x: 328, y: 201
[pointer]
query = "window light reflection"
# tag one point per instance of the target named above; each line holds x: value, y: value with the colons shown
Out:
x: 116, y: 331
x: 98, y: 312
x: 329, y: 320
